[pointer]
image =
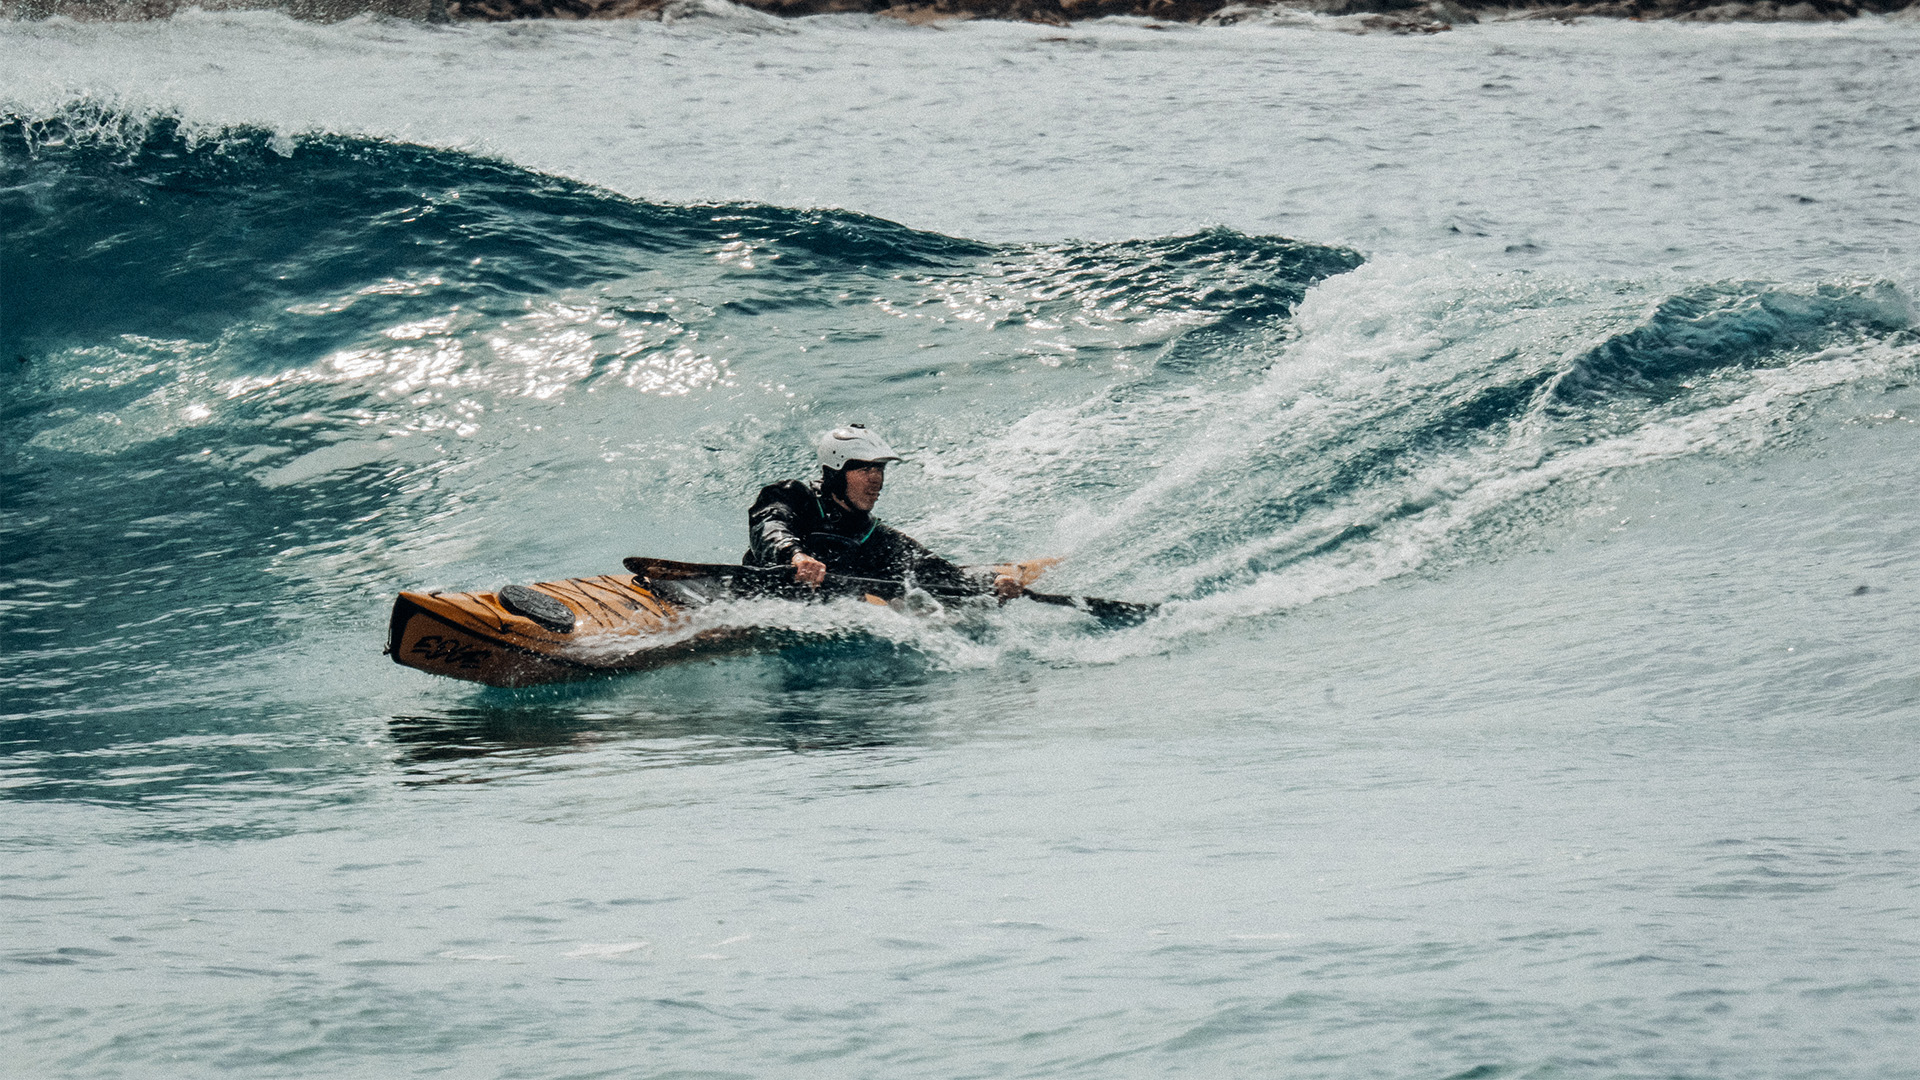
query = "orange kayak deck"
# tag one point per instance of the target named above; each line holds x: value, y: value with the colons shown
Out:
x: 473, y: 636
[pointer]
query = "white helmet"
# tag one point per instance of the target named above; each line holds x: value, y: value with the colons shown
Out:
x: 853, y: 443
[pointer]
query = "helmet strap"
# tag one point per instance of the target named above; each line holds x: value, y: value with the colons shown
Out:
x: 833, y: 482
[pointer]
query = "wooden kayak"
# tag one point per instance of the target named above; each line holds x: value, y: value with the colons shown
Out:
x: 579, y: 628
x: 476, y: 636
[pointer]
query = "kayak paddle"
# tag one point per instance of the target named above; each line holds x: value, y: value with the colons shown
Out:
x: 1120, y: 612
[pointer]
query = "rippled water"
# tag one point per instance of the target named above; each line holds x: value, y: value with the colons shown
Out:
x: 1517, y: 422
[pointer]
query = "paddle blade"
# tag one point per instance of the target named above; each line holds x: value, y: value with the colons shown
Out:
x: 671, y: 570
x: 1112, y: 612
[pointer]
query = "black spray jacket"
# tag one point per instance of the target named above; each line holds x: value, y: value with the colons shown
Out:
x: 791, y: 516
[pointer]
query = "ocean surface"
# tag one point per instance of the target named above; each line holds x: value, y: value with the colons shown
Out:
x: 1519, y: 424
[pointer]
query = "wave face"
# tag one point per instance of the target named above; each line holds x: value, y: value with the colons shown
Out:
x: 256, y: 381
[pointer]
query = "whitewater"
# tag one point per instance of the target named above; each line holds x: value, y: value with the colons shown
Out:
x: 1519, y: 424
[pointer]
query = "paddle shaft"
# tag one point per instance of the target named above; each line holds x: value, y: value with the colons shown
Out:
x: 667, y: 569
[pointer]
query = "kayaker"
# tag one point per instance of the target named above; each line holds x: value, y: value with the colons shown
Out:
x: 828, y: 527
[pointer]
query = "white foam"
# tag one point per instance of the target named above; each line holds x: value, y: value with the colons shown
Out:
x: 606, y: 952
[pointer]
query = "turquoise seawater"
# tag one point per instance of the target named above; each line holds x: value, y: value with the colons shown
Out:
x: 1518, y: 425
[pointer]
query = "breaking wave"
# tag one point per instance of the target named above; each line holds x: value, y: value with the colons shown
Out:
x: 257, y: 382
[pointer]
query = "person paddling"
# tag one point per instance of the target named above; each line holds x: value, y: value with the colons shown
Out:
x: 828, y: 526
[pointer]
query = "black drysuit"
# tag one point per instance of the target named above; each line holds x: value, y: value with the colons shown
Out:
x: 791, y: 516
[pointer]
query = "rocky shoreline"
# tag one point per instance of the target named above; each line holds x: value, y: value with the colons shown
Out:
x: 1359, y: 16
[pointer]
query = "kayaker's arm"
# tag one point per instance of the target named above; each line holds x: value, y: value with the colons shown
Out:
x: 774, y: 527
x: 908, y: 556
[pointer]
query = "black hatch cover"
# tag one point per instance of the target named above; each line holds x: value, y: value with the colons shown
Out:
x: 539, y: 607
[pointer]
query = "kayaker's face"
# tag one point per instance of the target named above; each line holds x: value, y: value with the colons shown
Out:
x: 864, y: 482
